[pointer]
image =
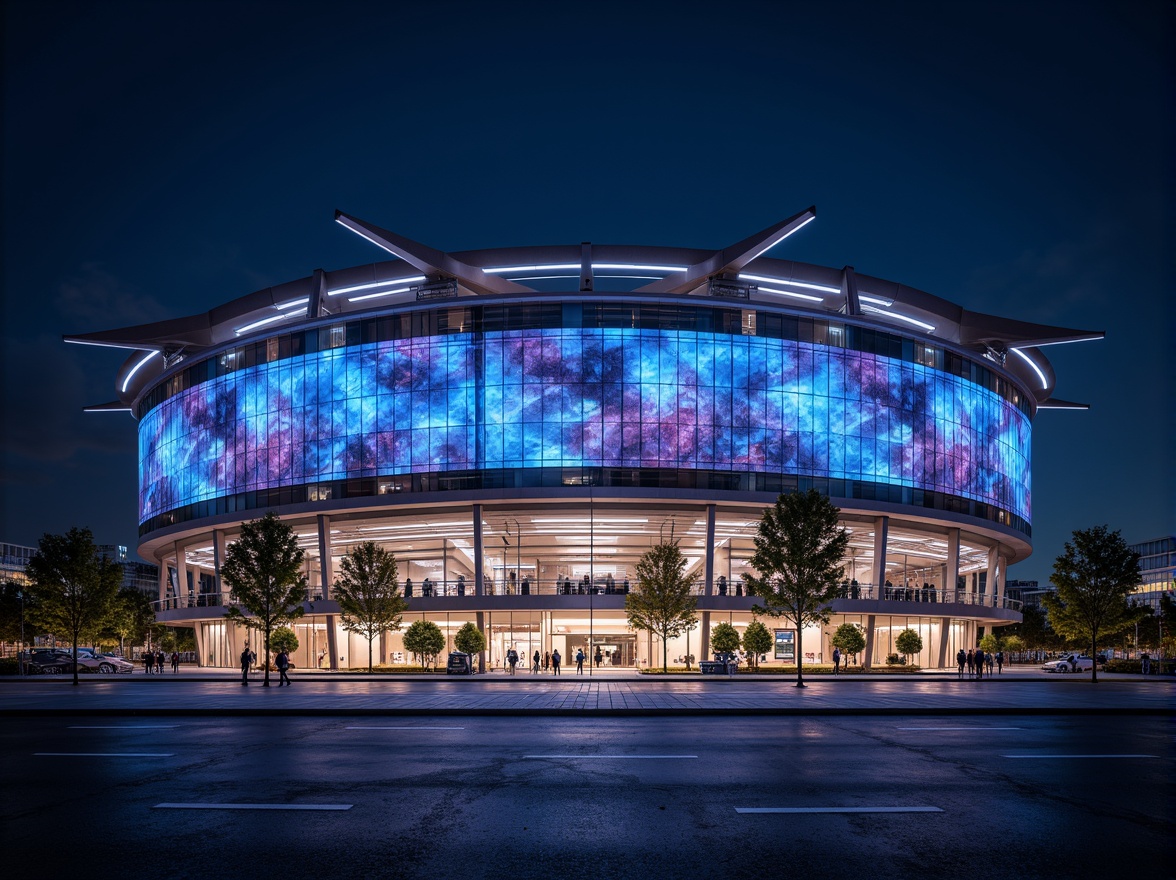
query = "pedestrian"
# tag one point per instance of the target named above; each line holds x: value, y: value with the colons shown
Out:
x: 961, y: 661
x: 1000, y: 662
x: 159, y: 662
x: 579, y: 661
x: 599, y: 658
x: 535, y: 659
x: 988, y: 661
x: 512, y: 658
x: 971, y: 663
x: 836, y: 660
x: 555, y: 658
x: 546, y: 660
x: 1145, y: 663
x: 175, y: 661
x: 246, y: 662
x: 149, y: 661
x: 282, y: 661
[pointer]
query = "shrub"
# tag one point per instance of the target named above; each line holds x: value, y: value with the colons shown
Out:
x: 895, y: 660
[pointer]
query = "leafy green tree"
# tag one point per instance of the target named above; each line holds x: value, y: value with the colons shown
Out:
x: 469, y: 639
x: 10, y: 611
x: 1034, y: 630
x: 71, y: 586
x: 263, y: 569
x: 909, y: 643
x: 724, y: 638
x: 130, y: 615
x: 756, y: 641
x: 663, y: 600
x: 368, y: 593
x: 283, y: 639
x: 424, y: 639
x: 850, y: 639
x: 1094, y: 577
x: 799, y: 548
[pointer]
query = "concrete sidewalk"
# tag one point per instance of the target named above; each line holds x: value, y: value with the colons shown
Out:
x: 219, y: 692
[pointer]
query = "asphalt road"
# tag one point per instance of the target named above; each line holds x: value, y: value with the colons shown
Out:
x: 520, y: 797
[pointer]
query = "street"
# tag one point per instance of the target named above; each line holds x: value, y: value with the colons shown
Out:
x: 475, y: 796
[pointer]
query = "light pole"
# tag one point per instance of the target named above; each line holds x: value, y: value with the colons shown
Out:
x: 20, y: 595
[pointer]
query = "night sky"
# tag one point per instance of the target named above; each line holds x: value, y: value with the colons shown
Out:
x: 163, y: 158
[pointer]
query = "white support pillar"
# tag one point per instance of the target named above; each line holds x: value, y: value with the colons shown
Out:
x: 181, y: 575
x: 881, y: 528
x: 333, y: 642
x: 944, y: 632
x: 990, y: 579
x: 952, y: 569
x: 1001, y: 569
x: 326, y: 571
x: 198, y: 632
x: 479, y: 549
x: 218, y: 559
x: 869, y: 658
x: 162, y: 560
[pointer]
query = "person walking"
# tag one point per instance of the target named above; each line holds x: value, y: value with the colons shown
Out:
x: 246, y: 661
x: 149, y: 662
x: 1145, y: 663
x: 282, y: 661
x: 579, y: 661
x: 599, y: 657
x: 536, y: 660
x: 512, y: 658
x: 988, y: 662
x: 1000, y: 662
x: 971, y: 663
x: 961, y: 661
x: 175, y: 658
x: 555, y: 658
x: 546, y: 660
x: 159, y: 658
x: 836, y: 660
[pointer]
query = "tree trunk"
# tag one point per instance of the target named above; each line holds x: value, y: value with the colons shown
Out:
x: 665, y: 655
x: 370, y: 653
x: 265, y: 658
x: 799, y: 656
x: 1093, y: 657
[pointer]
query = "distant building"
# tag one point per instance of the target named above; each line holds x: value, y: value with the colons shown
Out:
x: 13, y: 559
x: 1157, y: 570
x: 1027, y: 592
x: 141, y: 576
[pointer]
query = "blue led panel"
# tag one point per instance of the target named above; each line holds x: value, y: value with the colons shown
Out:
x: 584, y: 397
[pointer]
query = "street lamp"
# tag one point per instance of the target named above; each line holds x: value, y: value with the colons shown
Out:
x: 20, y: 595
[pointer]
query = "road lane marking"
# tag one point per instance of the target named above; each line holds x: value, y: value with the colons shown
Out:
x: 253, y: 806
x: 104, y: 754
x: 957, y: 728
x: 123, y: 726
x: 838, y: 810
x: 1079, y: 756
x: 404, y: 728
x: 613, y: 757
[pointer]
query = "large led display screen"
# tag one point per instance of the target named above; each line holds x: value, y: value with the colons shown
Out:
x: 584, y: 397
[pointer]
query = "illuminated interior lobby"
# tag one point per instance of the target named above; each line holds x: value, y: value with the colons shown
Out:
x: 520, y: 425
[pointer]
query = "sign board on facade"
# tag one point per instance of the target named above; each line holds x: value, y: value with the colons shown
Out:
x: 786, y: 645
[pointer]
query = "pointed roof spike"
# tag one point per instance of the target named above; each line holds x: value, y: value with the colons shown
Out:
x: 731, y: 259
x: 429, y: 260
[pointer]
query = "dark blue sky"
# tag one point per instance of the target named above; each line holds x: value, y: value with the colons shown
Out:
x: 1016, y: 158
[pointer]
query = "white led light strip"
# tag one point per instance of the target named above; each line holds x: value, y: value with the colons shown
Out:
x: 792, y: 293
x: 551, y: 267
x: 136, y: 368
x: 338, y: 291
x: 1036, y: 369
x: 900, y: 317
x: 824, y: 288
x: 784, y: 236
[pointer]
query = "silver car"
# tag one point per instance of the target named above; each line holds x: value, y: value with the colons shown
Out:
x: 90, y: 660
x: 1072, y: 663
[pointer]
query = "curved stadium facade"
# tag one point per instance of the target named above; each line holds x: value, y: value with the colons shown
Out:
x: 520, y: 425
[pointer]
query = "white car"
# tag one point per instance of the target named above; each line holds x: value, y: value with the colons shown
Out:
x: 1072, y: 663
x: 90, y: 660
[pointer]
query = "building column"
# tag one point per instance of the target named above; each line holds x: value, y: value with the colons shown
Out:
x: 1001, y: 568
x: 944, y: 629
x: 162, y: 560
x: 869, y: 659
x: 990, y: 580
x: 198, y: 632
x: 332, y: 642
x: 952, y: 569
x: 881, y: 528
x: 709, y: 572
x: 181, y: 574
x: 480, y: 623
x: 479, y: 587
x: 218, y: 559
x: 326, y: 571
x: 704, y: 638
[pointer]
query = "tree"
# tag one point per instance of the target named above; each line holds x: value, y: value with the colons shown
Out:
x: 1093, y: 576
x: 283, y: 639
x: 1034, y: 629
x: 663, y: 599
x: 756, y: 640
x: 263, y: 569
x: 909, y: 643
x: 368, y: 593
x: 424, y: 639
x: 71, y: 586
x: 850, y: 639
x: 470, y: 639
x: 799, y: 548
x: 130, y: 615
x: 724, y: 638
x: 11, y: 611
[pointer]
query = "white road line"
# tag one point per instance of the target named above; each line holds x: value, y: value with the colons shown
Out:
x: 253, y: 806
x: 613, y: 757
x: 404, y: 728
x: 123, y: 726
x: 838, y: 810
x: 104, y: 754
x: 957, y: 728
x: 1079, y: 756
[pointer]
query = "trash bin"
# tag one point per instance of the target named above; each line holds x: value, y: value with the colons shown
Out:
x: 459, y: 664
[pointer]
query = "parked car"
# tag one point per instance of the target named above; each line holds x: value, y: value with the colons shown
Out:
x: 1070, y: 663
x: 90, y: 660
x: 48, y: 663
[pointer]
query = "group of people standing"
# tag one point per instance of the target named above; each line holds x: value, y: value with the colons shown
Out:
x: 978, y: 661
x: 153, y: 661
